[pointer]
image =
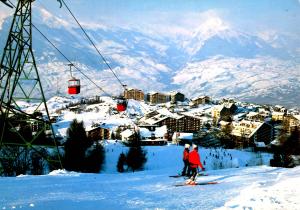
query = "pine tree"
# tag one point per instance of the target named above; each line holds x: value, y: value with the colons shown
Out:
x: 113, y: 136
x: 118, y: 134
x: 121, y: 162
x: 136, y: 158
x: 94, y: 159
x: 75, y: 147
x: 291, y: 147
x: 80, y: 153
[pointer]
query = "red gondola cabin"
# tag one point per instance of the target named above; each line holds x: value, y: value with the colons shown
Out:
x: 73, y: 86
x: 121, y: 105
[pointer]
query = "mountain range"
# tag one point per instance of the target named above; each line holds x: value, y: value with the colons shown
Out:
x: 216, y: 60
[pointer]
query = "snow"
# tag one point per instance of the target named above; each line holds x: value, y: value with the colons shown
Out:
x: 245, y: 179
x: 212, y: 76
x: 281, y: 193
x: 159, y: 132
x: 252, y: 187
x: 127, y: 133
x: 185, y: 136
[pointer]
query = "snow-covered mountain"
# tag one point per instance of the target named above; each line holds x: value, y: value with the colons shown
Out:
x: 216, y: 37
x: 261, y: 79
x: 216, y: 59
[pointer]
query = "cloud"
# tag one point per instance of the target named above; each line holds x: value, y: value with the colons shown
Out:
x: 51, y: 20
x: 178, y: 24
x: 4, y: 13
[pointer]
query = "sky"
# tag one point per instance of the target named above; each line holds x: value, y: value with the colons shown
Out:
x: 182, y: 16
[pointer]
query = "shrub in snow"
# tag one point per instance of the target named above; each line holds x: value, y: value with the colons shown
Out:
x: 38, y: 163
x: 55, y: 164
x: 14, y: 162
x: 20, y: 160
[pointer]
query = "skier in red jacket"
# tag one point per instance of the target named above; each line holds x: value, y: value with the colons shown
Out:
x: 194, y: 160
x: 186, y: 168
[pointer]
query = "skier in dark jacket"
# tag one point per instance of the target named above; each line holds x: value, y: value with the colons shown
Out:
x: 186, y: 168
x: 194, y: 161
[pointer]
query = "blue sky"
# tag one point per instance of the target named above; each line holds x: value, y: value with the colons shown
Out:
x: 251, y: 16
x: 279, y: 15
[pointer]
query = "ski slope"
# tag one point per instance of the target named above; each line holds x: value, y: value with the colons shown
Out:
x: 240, y: 187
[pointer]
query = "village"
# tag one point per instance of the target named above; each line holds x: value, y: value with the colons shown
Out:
x: 173, y: 119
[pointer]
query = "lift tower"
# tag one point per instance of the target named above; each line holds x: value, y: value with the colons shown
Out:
x: 20, y: 128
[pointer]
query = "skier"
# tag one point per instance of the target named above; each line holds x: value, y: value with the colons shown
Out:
x: 186, y: 168
x: 194, y: 161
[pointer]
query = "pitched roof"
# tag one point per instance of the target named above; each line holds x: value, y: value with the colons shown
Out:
x: 127, y: 133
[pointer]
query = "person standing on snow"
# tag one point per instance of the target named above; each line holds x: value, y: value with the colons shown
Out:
x: 194, y: 161
x: 186, y: 167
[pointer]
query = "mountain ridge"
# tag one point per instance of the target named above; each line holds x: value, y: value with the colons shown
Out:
x: 158, y: 62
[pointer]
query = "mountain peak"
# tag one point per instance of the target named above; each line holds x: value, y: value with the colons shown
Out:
x: 211, y: 27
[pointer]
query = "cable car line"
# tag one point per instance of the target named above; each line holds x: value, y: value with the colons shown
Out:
x: 87, y: 36
x: 71, y: 62
x: 121, y: 101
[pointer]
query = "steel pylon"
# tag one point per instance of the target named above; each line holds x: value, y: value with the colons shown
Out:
x: 23, y: 127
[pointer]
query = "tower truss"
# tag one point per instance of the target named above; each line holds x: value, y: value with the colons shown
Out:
x: 25, y: 125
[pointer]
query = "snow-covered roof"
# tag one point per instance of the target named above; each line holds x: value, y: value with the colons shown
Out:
x: 153, y: 92
x: 278, y: 113
x: 218, y: 107
x: 182, y: 136
x: 224, y: 123
x: 238, y: 116
x: 174, y: 93
x: 198, y: 97
x: 127, y: 133
x: 144, y: 132
x: 228, y: 105
x: 155, y: 119
x: 159, y: 132
x: 260, y: 144
x: 297, y: 117
x: 252, y: 114
x: 163, y: 113
x: 251, y: 127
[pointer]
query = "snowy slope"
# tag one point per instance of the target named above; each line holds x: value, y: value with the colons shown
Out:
x: 254, y: 187
x: 261, y: 79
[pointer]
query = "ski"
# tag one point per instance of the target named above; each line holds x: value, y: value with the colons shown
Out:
x: 194, y: 184
x: 178, y: 176
x: 202, y: 175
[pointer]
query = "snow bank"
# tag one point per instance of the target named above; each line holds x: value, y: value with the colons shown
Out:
x: 270, y: 194
x: 62, y: 172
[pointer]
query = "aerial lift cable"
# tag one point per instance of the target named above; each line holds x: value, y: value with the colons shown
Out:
x: 43, y: 35
x: 88, y: 37
x: 71, y: 62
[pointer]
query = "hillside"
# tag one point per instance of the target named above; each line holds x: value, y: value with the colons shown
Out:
x: 239, y: 187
